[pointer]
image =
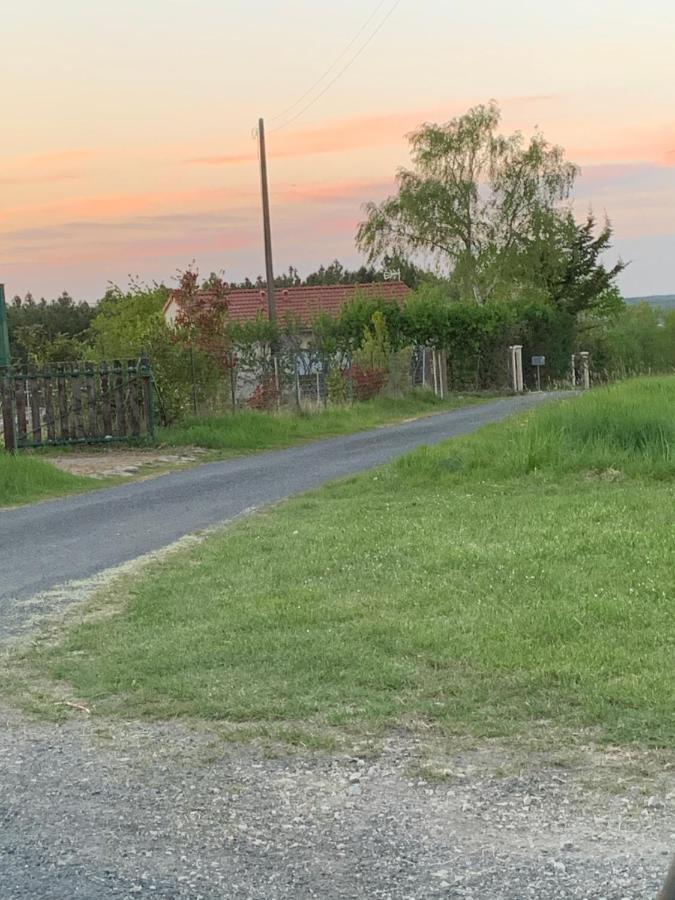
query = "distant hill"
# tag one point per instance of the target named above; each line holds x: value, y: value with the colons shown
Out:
x: 663, y: 301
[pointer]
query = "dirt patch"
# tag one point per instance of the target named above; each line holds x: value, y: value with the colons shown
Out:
x: 116, y: 463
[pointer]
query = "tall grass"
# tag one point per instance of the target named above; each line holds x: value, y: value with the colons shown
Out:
x: 250, y: 430
x: 625, y: 429
x: 24, y: 479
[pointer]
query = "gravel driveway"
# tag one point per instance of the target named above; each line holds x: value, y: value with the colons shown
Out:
x: 97, y: 810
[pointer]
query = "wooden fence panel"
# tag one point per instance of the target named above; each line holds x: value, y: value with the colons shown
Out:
x: 78, y: 403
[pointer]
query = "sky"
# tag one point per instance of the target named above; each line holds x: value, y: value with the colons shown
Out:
x: 126, y: 146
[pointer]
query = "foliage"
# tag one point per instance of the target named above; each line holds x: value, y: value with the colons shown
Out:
x: 337, y: 386
x: 265, y: 397
x: 475, y: 337
x: 639, y: 339
x: 564, y: 258
x: 472, y: 198
x: 47, y: 332
x: 375, y: 346
x: 334, y: 273
x: 131, y: 321
x: 367, y: 382
x: 202, y: 319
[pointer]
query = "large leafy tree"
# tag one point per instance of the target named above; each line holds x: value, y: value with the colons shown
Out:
x: 471, y: 199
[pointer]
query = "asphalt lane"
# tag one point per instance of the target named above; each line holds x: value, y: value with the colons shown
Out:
x: 52, y: 543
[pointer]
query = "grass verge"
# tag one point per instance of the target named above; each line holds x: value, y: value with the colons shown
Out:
x: 25, y: 479
x: 249, y: 431
x: 520, y: 578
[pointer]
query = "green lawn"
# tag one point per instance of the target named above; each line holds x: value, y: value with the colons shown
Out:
x: 25, y: 479
x: 248, y: 431
x: 522, y: 577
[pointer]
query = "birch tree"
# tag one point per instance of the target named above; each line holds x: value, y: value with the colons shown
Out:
x: 470, y: 198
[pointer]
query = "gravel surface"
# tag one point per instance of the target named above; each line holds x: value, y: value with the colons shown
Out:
x: 97, y: 810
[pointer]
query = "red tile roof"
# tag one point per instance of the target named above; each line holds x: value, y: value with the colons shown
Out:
x: 306, y: 302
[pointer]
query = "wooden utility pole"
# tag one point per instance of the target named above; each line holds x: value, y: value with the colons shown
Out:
x: 267, y: 229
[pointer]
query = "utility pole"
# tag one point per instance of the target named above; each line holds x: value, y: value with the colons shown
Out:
x: 4, y: 334
x: 267, y: 229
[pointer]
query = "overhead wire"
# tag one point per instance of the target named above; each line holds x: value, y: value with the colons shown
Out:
x: 332, y: 65
x: 341, y: 72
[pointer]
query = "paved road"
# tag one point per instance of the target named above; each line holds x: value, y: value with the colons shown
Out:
x: 49, y: 544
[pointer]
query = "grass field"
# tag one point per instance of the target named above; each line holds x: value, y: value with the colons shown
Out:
x: 25, y: 479
x: 519, y: 579
x: 248, y: 431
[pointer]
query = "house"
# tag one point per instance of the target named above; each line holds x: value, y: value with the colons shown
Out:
x: 306, y: 382
x: 304, y: 302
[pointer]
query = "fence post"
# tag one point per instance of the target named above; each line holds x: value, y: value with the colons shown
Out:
x: 194, y: 381
x: 8, y: 411
x: 585, y: 370
x: 5, y: 357
x: 233, y: 382
x: 296, y: 361
x: 516, y: 368
x: 106, y: 400
x: 145, y: 373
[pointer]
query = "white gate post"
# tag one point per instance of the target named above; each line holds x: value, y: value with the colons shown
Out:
x: 517, y: 357
x: 585, y: 370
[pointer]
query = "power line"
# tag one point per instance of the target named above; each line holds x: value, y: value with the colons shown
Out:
x: 333, y: 64
x: 342, y: 70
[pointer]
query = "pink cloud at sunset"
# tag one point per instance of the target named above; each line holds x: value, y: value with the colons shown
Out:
x: 139, y: 147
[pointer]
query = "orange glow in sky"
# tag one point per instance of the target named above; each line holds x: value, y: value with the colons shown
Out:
x: 127, y: 149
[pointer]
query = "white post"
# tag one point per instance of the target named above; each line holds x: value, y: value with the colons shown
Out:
x: 518, y: 368
x: 585, y: 369
x: 512, y: 369
x: 573, y: 371
x: 434, y: 371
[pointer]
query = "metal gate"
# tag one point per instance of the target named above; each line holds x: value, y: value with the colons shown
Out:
x: 77, y: 403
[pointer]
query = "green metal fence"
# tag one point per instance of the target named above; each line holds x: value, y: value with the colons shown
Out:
x: 77, y: 403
